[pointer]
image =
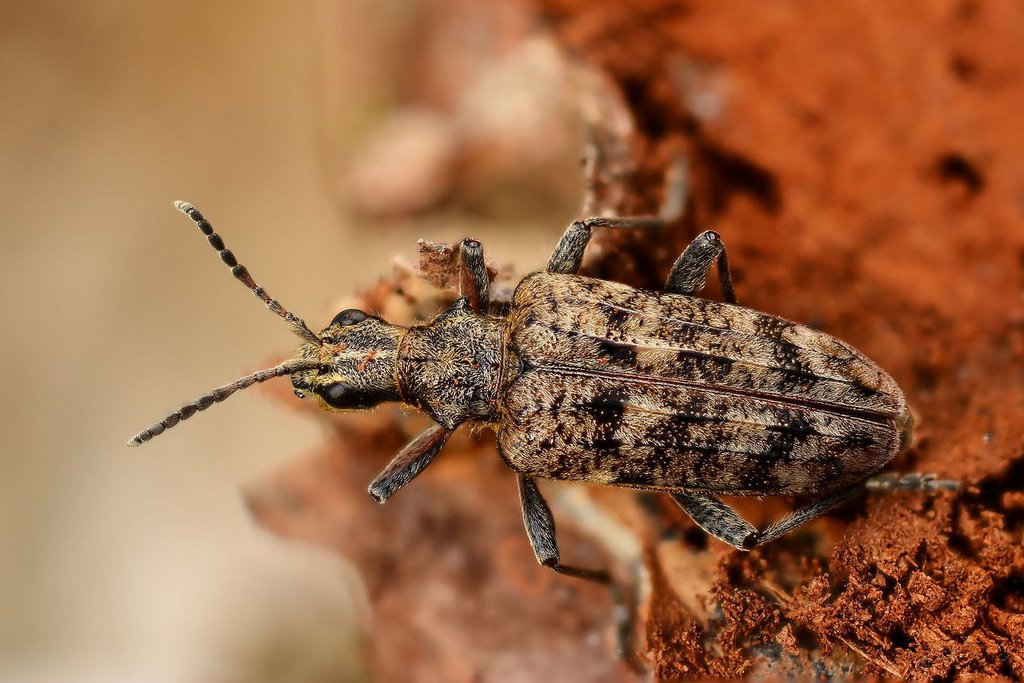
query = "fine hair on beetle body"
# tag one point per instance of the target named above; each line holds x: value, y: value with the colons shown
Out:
x: 596, y: 381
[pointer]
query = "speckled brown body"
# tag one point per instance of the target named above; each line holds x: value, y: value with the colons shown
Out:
x: 653, y: 390
x: 596, y: 381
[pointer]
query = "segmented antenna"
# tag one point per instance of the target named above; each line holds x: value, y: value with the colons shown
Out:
x: 240, y: 272
x: 221, y: 393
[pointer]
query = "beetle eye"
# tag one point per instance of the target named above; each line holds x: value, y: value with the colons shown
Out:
x: 344, y: 397
x: 350, y: 316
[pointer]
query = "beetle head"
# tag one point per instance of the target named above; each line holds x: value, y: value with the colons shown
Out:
x: 358, y: 357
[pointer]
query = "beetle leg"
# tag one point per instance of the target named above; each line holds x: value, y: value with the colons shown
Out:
x: 690, y: 271
x: 722, y: 522
x: 910, y: 482
x: 540, y: 527
x: 473, y: 280
x: 568, y: 254
x: 716, y: 518
x: 805, y: 514
x: 409, y: 462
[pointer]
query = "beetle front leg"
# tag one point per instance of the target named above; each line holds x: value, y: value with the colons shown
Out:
x: 409, y: 462
x: 690, y: 271
x: 722, y: 522
x: 473, y: 281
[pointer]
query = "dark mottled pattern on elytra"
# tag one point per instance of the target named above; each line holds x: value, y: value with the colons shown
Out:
x: 668, y: 335
x: 645, y: 389
x: 665, y: 436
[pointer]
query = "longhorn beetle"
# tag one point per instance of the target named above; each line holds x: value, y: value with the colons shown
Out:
x: 595, y: 381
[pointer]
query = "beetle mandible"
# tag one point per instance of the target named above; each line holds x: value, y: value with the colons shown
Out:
x: 595, y: 381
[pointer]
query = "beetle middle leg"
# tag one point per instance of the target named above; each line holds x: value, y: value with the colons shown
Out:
x: 690, y: 271
x: 725, y: 524
x: 540, y: 528
x: 568, y: 254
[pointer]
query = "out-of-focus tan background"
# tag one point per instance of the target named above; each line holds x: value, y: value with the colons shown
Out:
x: 121, y: 564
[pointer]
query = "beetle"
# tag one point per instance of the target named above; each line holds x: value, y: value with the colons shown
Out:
x: 596, y: 381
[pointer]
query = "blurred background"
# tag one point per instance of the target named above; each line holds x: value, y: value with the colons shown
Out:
x: 309, y: 133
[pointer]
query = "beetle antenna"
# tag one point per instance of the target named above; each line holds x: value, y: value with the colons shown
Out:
x: 221, y: 393
x: 240, y: 272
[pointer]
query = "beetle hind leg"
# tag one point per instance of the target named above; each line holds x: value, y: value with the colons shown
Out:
x: 910, y: 482
x: 722, y: 522
x: 716, y: 518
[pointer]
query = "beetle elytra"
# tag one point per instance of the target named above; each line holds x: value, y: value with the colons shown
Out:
x: 595, y: 381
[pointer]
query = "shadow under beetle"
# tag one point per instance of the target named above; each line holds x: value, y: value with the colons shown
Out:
x: 596, y: 381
